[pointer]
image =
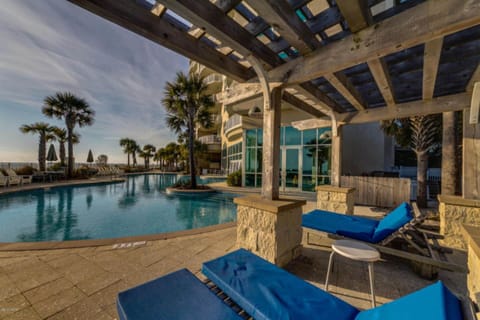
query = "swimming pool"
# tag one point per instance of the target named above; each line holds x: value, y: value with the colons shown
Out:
x: 138, y: 206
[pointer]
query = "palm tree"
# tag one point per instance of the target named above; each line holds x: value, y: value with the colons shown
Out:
x: 75, y: 110
x: 61, y: 137
x: 127, y: 145
x: 44, y: 130
x: 135, y: 149
x: 159, y: 157
x: 187, y: 105
x: 422, y: 135
x: 147, y: 152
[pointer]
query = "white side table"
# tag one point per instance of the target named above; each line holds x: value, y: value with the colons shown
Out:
x: 356, y: 251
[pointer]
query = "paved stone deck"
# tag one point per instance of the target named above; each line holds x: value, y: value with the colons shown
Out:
x: 83, y: 283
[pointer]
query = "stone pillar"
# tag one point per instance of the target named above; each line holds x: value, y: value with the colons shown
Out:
x: 272, y: 229
x: 335, y: 199
x: 472, y: 237
x: 471, y: 158
x: 455, y: 211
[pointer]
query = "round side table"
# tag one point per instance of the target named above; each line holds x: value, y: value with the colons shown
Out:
x: 356, y: 251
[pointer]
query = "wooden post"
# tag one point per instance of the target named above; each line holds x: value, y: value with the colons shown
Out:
x: 471, y: 158
x: 336, y: 169
x: 271, y: 144
x: 448, y: 154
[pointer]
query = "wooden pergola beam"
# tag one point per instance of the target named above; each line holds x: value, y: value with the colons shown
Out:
x: 442, y: 104
x: 379, y: 70
x: 475, y: 78
x: 279, y: 13
x: 300, y: 105
x: 356, y: 13
x: 140, y: 20
x: 345, y: 87
x: 431, y: 59
x: 207, y: 16
x: 423, y: 23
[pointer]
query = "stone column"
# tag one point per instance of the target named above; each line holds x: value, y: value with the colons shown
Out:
x: 455, y: 211
x: 472, y: 237
x: 335, y: 199
x: 272, y: 229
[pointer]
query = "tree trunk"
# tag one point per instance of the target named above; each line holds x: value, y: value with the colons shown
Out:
x: 42, y: 152
x: 70, y: 150
x: 448, y: 154
x: 422, y: 167
x: 191, y: 144
x: 62, y: 153
x: 134, y: 156
x: 128, y: 159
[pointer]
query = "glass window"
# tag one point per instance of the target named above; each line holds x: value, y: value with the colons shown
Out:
x: 321, y: 180
x: 259, y: 181
x: 308, y: 183
x: 282, y: 136
x: 259, y: 137
x: 251, y: 135
x: 324, y: 136
x: 310, y: 137
x: 250, y: 161
x: 259, y: 160
x: 292, y: 136
x: 323, y: 158
x: 250, y: 180
x: 309, y: 157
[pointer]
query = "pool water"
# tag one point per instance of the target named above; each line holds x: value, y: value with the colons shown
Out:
x: 138, y: 206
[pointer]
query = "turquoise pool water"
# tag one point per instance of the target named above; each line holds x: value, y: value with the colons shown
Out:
x: 137, y: 206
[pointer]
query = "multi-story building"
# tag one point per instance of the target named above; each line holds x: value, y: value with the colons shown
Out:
x: 235, y: 142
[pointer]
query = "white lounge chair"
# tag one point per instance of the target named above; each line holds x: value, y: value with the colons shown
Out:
x: 13, y: 179
x: 24, y: 179
x: 3, y: 180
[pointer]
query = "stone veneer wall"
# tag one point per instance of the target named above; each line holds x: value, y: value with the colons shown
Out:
x: 455, y: 211
x: 336, y: 199
x: 270, y: 229
x: 472, y: 237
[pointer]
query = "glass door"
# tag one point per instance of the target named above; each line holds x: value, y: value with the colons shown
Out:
x: 290, y: 168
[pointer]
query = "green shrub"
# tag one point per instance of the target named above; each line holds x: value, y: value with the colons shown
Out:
x: 25, y: 171
x: 234, y: 179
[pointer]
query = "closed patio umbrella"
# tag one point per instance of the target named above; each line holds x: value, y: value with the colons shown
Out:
x: 90, y: 156
x: 51, y: 155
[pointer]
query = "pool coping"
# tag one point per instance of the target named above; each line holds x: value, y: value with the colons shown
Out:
x: 122, y: 241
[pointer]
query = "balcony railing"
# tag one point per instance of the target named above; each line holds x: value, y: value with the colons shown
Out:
x: 213, y: 78
x: 211, y: 139
x: 233, y: 122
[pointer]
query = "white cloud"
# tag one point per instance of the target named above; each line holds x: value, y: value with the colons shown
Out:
x: 51, y: 46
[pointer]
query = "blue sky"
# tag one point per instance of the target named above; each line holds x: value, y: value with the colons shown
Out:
x: 53, y: 45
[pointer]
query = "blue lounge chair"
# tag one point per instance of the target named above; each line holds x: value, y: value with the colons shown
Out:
x: 267, y: 292
x: 400, y: 223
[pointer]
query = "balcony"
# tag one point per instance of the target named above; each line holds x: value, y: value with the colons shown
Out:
x: 214, y: 83
x: 234, y: 126
x: 210, y: 139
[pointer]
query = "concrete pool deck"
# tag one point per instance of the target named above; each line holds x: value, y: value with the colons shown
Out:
x: 83, y: 283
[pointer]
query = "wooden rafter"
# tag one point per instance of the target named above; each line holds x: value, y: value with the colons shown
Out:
x: 282, y: 16
x: 389, y: 36
x: 227, y: 5
x: 301, y: 105
x: 356, y: 13
x: 345, y: 87
x: 207, y: 16
x: 410, y: 109
x: 324, y: 102
x: 431, y: 58
x: 140, y: 20
x: 379, y: 70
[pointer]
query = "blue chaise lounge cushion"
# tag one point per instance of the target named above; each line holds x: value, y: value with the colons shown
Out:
x: 432, y: 302
x: 344, y: 225
x: 267, y: 292
x: 392, y: 222
x: 177, y: 296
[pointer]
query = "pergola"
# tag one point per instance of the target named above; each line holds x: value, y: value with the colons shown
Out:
x: 338, y: 60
